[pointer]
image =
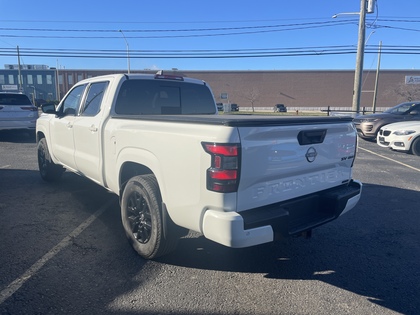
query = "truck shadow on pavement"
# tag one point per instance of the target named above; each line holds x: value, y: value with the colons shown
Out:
x: 371, y: 251
x: 17, y: 136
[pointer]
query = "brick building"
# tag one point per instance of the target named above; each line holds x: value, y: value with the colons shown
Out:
x: 300, y: 89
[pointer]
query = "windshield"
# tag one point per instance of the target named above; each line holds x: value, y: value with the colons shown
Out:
x: 401, y: 109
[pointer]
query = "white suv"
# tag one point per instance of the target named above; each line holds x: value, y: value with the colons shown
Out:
x: 17, y: 112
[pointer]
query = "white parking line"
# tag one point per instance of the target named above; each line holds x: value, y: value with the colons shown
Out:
x: 16, y: 284
x: 382, y: 156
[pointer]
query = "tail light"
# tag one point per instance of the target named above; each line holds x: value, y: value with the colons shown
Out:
x: 223, y: 173
x: 160, y: 75
x: 355, y: 150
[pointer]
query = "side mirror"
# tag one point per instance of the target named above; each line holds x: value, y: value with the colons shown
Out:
x: 48, y: 108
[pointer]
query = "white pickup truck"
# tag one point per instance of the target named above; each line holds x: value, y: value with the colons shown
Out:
x: 158, y: 142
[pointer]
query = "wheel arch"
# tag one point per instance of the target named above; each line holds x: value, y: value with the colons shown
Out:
x: 39, y: 136
x: 413, y: 142
x: 130, y: 169
x: 43, y: 134
x: 132, y: 162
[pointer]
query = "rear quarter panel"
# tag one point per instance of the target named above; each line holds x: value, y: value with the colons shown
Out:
x: 174, y: 153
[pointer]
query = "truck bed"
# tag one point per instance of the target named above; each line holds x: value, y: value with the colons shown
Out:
x: 241, y: 120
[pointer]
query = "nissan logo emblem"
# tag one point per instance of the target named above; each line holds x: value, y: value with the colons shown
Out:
x: 311, y: 154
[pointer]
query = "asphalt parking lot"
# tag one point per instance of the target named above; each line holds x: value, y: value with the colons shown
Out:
x: 63, y: 251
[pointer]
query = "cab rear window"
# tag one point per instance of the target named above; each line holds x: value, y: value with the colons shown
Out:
x: 163, y: 97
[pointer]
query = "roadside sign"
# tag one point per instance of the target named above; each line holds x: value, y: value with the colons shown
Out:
x: 9, y: 87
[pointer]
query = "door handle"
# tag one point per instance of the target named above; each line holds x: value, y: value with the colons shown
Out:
x: 93, y: 128
x: 69, y: 125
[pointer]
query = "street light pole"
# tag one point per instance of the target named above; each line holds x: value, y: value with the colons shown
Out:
x: 128, y: 51
x: 34, y: 95
x: 357, y: 89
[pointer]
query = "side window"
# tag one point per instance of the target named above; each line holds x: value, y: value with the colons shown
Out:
x: 94, y: 99
x: 416, y: 110
x: 71, y: 104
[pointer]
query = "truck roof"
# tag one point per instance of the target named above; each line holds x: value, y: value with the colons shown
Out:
x: 145, y: 76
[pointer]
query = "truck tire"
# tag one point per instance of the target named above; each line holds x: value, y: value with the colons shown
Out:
x: 142, y: 218
x: 415, y: 146
x: 47, y: 168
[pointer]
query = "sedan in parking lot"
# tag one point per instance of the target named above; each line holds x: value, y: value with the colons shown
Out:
x: 234, y: 107
x: 17, y: 112
x: 280, y: 108
x: 402, y: 136
x: 368, y: 125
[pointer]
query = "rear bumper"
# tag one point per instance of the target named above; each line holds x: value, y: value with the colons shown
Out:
x: 293, y: 217
x: 18, y: 124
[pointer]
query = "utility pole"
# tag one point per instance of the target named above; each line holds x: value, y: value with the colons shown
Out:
x: 366, y: 6
x: 57, y: 84
x: 20, y: 76
x: 375, y: 91
x: 357, y: 89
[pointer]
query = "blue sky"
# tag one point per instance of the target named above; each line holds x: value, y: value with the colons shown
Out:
x: 299, y: 35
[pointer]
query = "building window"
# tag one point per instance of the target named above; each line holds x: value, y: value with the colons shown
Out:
x: 39, y: 79
x: 30, y: 79
x: 60, y: 79
x: 2, y: 81
x: 49, y: 79
x: 11, y: 79
x: 70, y: 79
x: 50, y: 96
x: 79, y: 77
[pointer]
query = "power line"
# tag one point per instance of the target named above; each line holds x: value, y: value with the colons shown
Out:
x: 161, y: 22
x: 196, y: 32
x: 210, y: 54
x: 313, y: 24
x: 245, y: 30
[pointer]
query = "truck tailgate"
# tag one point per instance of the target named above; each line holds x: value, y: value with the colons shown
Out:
x: 288, y: 161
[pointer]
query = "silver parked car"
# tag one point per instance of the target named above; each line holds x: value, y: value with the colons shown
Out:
x: 17, y: 112
x: 368, y: 125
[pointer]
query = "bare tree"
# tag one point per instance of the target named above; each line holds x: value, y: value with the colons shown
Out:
x: 407, y: 92
x: 252, y: 96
